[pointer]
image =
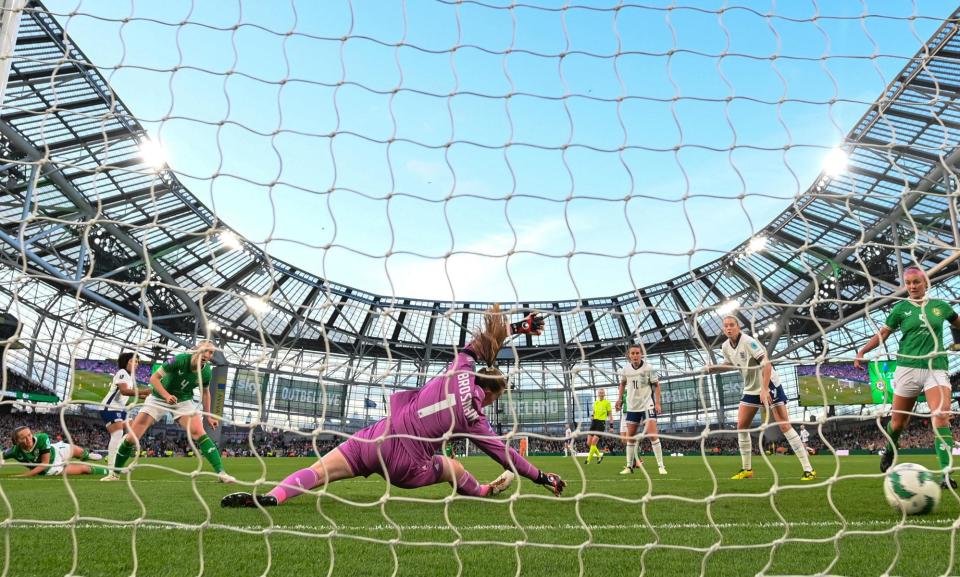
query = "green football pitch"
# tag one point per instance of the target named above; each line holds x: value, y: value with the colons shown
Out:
x: 693, y: 520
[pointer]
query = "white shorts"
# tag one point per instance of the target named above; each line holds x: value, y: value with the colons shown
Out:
x: 157, y: 408
x: 59, y: 455
x: 909, y: 382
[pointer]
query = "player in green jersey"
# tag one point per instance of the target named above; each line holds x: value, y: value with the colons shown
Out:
x: 173, y: 385
x: 921, y: 366
x: 47, y: 458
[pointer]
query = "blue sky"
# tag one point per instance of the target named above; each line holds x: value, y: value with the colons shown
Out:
x: 616, y: 166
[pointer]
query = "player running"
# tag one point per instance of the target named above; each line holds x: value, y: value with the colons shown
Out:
x: 173, y: 386
x: 761, y: 388
x: 921, y: 366
x: 50, y: 459
x: 401, y: 448
x: 114, y: 413
x: 602, y: 412
x: 640, y: 384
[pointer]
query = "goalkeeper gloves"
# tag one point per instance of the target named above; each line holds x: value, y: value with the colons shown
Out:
x: 532, y: 325
x: 551, y: 481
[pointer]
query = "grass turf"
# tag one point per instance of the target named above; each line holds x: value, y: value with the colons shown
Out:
x: 606, y: 524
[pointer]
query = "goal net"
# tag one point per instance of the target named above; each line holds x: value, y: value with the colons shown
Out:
x: 335, y: 194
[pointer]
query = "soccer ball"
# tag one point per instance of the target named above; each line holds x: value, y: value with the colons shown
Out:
x: 912, y: 489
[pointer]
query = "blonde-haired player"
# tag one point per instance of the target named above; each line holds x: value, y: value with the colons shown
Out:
x: 761, y: 388
x: 641, y: 383
x: 173, y: 386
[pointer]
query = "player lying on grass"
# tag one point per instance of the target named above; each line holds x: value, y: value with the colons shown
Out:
x: 640, y: 386
x: 761, y: 388
x: 922, y: 366
x: 402, y: 447
x: 173, y: 385
x: 45, y: 458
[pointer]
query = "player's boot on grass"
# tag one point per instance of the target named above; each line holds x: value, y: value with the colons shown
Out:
x: 501, y: 483
x: 627, y: 471
x: 947, y: 483
x: 93, y: 457
x: 225, y: 477
x: 246, y: 500
x: 110, y: 477
x: 663, y: 470
x: 600, y: 458
x: 810, y: 475
x: 743, y: 474
x: 886, y: 460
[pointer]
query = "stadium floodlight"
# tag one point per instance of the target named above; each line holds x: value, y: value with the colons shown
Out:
x: 757, y: 244
x: 257, y: 305
x: 230, y: 240
x: 213, y: 326
x: 728, y: 307
x: 771, y: 327
x: 153, y: 154
x: 835, y: 163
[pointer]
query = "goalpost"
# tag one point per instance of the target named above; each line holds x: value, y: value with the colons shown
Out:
x: 335, y: 193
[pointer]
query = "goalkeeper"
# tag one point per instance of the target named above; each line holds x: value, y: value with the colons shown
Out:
x: 401, y: 447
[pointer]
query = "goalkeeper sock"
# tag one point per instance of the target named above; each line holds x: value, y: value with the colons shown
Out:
x: 746, y: 449
x: 468, y: 485
x: 895, y: 435
x: 116, y: 438
x: 95, y: 470
x: 798, y: 449
x: 943, y: 444
x: 124, y: 453
x: 657, y: 452
x: 295, y: 484
x: 631, y: 454
x: 210, y: 452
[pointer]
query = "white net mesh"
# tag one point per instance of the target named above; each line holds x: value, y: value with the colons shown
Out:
x: 335, y: 193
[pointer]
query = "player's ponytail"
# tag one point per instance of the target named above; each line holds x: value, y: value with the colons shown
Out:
x: 486, y: 345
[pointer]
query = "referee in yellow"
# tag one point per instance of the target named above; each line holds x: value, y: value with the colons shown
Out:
x: 602, y: 412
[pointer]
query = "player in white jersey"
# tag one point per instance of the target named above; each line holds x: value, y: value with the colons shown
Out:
x: 568, y: 449
x: 761, y: 388
x: 641, y: 383
x: 805, y: 439
x: 115, y: 402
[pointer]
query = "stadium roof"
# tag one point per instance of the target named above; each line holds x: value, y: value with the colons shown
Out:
x: 84, y: 210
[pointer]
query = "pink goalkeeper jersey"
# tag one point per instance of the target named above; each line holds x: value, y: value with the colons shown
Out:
x: 450, y: 403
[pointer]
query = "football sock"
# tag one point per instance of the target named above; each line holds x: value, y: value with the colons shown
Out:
x: 124, y: 452
x: 95, y: 470
x: 116, y: 438
x: 746, y: 449
x: 295, y: 484
x: 467, y: 484
x: 895, y: 435
x: 657, y: 452
x: 943, y: 443
x: 797, y: 446
x: 631, y: 454
x: 210, y: 452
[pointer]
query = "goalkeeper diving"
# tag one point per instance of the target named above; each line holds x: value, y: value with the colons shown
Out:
x: 402, y: 447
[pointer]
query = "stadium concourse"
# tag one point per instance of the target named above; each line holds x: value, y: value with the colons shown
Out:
x: 220, y: 191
